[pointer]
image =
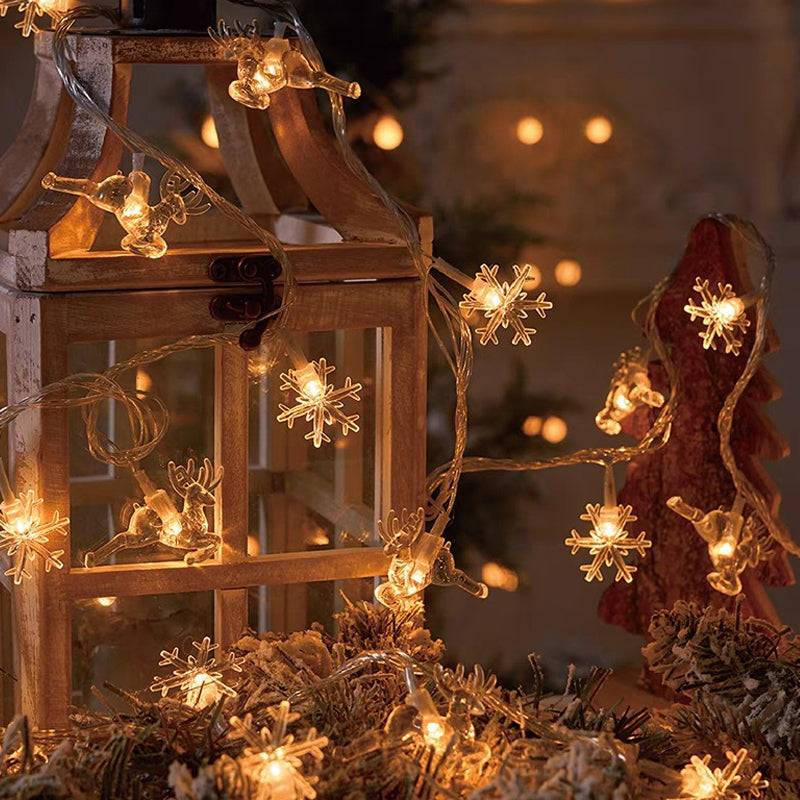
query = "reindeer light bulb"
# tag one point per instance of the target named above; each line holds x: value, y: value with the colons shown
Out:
x: 732, y: 542
x: 418, y: 559
x: 264, y: 66
x: 158, y: 521
x: 128, y: 198
x: 420, y: 720
x: 630, y: 389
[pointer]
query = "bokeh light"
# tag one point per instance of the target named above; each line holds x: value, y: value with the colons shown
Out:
x: 387, y: 133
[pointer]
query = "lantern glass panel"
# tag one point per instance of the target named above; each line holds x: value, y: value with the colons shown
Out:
x: 118, y: 640
x: 303, y: 497
x: 101, y: 495
x: 284, y: 609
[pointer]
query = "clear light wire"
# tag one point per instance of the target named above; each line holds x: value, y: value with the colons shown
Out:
x: 148, y: 417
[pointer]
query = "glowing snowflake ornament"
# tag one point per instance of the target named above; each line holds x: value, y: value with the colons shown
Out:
x: 32, y: 10
x: 25, y: 536
x: 608, y: 541
x: 197, y: 680
x: 503, y: 304
x: 317, y: 401
x: 723, y: 316
x: 272, y: 761
x: 700, y: 782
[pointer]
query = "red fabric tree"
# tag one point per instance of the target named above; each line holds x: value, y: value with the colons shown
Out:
x: 690, y: 464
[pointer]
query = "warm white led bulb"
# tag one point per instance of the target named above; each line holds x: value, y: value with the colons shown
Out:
x: 503, y: 304
x: 608, y: 541
x: 723, y: 316
x: 732, y: 543
x: 317, y: 401
x: 265, y: 66
x: 23, y: 534
x: 128, y: 198
x: 630, y: 389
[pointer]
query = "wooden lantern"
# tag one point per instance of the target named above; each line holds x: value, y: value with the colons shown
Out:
x: 65, y: 283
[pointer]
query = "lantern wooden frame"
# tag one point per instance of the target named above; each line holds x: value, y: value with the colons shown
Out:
x: 58, y: 276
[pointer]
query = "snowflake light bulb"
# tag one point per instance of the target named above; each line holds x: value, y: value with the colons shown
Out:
x: 265, y: 66
x: 32, y: 10
x: 23, y: 534
x: 630, y: 389
x: 128, y: 198
x: 197, y: 681
x: 502, y: 304
x: 700, y: 782
x: 271, y: 763
x: 732, y: 543
x: 317, y: 401
x: 608, y: 540
x: 722, y: 314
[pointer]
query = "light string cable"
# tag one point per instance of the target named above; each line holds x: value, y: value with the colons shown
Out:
x: 138, y: 144
x: 455, y: 342
x: 147, y: 415
x: 744, y: 487
x: 399, y: 660
x: 443, y: 481
x: 656, y: 437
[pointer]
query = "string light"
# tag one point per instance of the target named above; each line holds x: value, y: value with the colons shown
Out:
x: 630, y: 389
x: 568, y: 272
x: 32, y: 10
x: 387, y: 133
x: 723, y: 315
x: 496, y: 576
x: 272, y: 759
x: 208, y: 133
x: 502, y: 304
x: 418, y: 559
x: 450, y: 737
x: 532, y: 426
x: 530, y: 130
x: 23, y: 534
x: 267, y: 65
x: 128, y: 197
x: 700, y: 782
x: 197, y: 681
x: 598, y: 130
x: 316, y: 400
x: 608, y: 541
x: 554, y: 430
x: 733, y: 543
x: 158, y: 521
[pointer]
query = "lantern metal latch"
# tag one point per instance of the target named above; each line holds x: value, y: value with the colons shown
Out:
x: 258, y: 269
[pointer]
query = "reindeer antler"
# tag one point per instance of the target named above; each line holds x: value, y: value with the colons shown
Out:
x: 207, y: 477
x: 181, y: 477
x: 398, y: 532
x: 235, y: 42
x: 173, y: 183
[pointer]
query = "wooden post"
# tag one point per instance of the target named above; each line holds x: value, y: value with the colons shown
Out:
x: 37, y: 356
x: 231, y: 440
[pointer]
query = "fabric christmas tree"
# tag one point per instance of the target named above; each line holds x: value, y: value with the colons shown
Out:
x: 690, y: 464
